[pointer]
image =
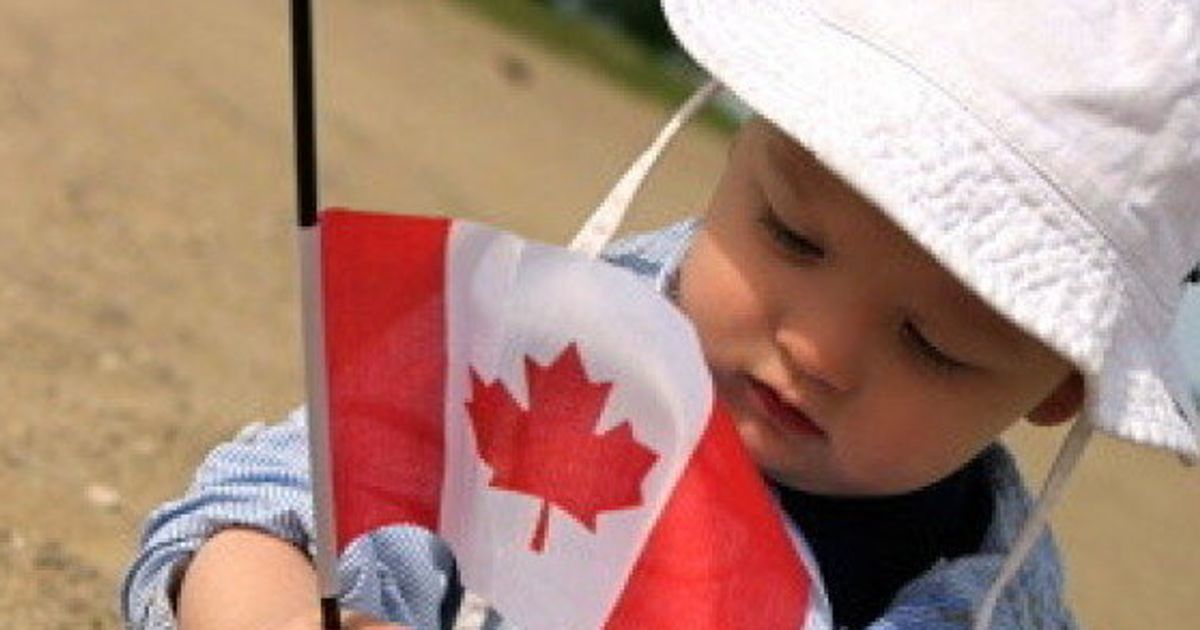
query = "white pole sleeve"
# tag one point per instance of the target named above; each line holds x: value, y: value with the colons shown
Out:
x: 316, y: 382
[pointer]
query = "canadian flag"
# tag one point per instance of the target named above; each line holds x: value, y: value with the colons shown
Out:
x: 552, y: 418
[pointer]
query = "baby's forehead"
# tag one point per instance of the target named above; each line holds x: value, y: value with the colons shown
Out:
x: 758, y: 139
x: 772, y: 154
x: 758, y: 134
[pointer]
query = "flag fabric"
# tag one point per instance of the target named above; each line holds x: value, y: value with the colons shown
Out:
x: 552, y: 418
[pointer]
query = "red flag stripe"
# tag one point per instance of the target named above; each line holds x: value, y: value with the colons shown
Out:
x: 718, y: 556
x: 384, y: 338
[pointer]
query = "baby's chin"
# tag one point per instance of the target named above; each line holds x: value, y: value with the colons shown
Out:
x: 776, y: 463
x: 838, y: 486
x: 811, y: 465
x: 819, y: 477
x: 807, y: 484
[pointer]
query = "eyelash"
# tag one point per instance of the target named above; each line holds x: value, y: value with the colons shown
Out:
x: 929, y: 352
x: 798, y: 246
x: 795, y: 244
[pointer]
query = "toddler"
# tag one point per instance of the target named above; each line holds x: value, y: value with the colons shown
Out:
x: 944, y: 217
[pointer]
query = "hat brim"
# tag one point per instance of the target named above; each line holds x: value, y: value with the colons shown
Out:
x: 964, y: 193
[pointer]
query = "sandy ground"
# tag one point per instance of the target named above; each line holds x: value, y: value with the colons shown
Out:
x: 147, y: 272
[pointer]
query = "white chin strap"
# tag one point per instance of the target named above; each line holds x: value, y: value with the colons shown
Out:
x: 599, y: 229
x: 1068, y: 456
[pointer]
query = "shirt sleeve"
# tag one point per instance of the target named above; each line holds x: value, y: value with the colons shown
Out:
x: 947, y: 597
x: 654, y: 256
x: 260, y: 479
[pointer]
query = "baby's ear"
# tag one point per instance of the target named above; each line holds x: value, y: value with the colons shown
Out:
x: 1061, y: 405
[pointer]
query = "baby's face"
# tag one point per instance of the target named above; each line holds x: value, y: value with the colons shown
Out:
x: 852, y: 362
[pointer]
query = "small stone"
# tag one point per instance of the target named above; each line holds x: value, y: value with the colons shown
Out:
x: 515, y: 70
x: 112, y: 316
x: 102, y: 496
x: 50, y: 556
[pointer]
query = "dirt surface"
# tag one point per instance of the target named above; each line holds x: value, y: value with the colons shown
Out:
x: 147, y: 270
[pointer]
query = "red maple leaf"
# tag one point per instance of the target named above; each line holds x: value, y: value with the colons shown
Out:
x: 551, y: 450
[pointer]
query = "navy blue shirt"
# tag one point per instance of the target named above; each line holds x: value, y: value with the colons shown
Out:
x: 867, y: 548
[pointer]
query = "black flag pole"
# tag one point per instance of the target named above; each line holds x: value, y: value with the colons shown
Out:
x: 304, y: 103
x: 307, y: 201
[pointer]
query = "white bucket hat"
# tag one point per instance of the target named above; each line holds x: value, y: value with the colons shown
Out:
x: 1046, y: 153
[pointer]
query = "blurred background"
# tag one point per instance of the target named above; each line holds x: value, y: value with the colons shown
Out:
x: 148, y: 298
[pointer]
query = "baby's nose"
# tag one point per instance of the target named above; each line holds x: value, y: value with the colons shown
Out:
x: 824, y: 350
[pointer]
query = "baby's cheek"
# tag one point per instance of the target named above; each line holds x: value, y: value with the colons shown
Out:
x: 720, y: 331
x: 717, y: 299
x: 905, y: 456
